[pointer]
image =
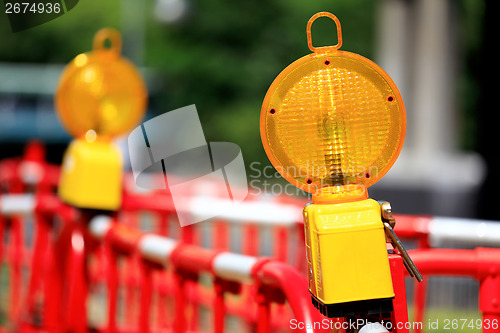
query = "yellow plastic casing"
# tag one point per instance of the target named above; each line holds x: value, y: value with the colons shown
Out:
x: 91, y: 175
x: 346, y: 252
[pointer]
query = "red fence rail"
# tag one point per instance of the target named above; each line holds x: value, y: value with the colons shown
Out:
x: 169, y: 280
x: 61, y: 272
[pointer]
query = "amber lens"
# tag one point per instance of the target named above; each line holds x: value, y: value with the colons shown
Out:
x: 102, y: 92
x: 333, y: 120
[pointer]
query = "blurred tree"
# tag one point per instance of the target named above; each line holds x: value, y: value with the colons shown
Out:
x: 471, y: 39
x: 223, y: 56
x: 59, y: 40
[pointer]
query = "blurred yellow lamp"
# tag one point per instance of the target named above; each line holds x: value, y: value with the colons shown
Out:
x: 100, y: 96
x: 333, y: 123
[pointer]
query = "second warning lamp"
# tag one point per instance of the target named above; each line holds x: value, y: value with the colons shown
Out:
x: 100, y: 95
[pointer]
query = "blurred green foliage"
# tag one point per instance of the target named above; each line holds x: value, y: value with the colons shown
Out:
x: 59, y: 40
x: 470, y: 40
x: 222, y: 56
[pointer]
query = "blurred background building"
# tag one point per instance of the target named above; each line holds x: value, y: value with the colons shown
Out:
x: 222, y: 56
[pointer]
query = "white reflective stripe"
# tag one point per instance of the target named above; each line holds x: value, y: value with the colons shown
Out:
x: 17, y: 204
x: 373, y: 328
x: 234, y: 267
x: 259, y: 212
x: 156, y: 248
x: 99, y: 226
x: 464, y: 231
x: 31, y: 172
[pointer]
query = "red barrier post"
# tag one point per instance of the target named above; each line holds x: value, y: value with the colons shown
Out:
x: 77, y: 285
x: 251, y: 240
x: 220, y: 288
x: 416, y: 228
x: 400, y: 313
x: 146, y: 296
x: 220, y: 235
x: 294, y: 286
x: 112, y: 282
x: 489, y: 288
x: 39, y: 260
x: 281, y: 245
x: 263, y: 310
x: 16, y: 255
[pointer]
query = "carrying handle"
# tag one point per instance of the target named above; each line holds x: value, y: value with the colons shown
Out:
x: 110, y: 34
x: 339, y: 32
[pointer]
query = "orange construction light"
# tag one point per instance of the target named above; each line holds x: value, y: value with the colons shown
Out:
x: 100, y: 93
x: 333, y: 123
x: 100, y: 96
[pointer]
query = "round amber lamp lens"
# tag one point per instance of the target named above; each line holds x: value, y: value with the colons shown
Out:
x: 333, y: 120
x: 102, y: 92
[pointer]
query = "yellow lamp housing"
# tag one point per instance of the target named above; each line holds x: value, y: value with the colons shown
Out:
x: 333, y: 123
x: 100, y: 96
x: 346, y: 254
x: 91, y: 175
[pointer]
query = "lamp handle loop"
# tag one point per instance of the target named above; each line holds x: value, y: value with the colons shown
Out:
x: 110, y: 34
x: 339, y: 33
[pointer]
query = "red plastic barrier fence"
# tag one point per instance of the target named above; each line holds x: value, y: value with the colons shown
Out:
x: 169, y: 278
x: 62, y: 273
x: 483, y: 264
